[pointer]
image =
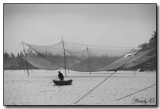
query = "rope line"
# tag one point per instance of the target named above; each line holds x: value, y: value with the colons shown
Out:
x: 94, y: 87
x: 98, y: 45
x: 82, y: 45
x: 136, y: 92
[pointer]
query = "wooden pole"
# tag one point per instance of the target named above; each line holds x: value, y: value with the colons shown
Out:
x: 25, y: 58
x: 134, y: 69
x: 88, y: 60
x: 64, y: 57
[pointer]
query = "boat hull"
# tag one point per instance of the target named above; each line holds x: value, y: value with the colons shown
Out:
x: 64, y: 82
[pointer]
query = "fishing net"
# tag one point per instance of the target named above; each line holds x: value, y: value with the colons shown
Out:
x: 73, y: 56
x: 140, y: 58
x: 130, y: 60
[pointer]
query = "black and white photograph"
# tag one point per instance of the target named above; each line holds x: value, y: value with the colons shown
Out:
x: 80, y: 54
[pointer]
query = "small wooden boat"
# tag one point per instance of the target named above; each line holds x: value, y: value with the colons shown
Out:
x: 64, y: 82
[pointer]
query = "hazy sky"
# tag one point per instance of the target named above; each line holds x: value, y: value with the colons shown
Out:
x: 123, y: 25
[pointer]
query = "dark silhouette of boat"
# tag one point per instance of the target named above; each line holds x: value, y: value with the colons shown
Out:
x: 64, y: 82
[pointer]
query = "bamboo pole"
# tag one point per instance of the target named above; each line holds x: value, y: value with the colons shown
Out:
x: 25, y: 58
x: 64, y: 57
x: 134, y: 69
x: 88, y: 60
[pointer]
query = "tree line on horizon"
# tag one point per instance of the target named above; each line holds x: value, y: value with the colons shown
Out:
x: 152, y: 63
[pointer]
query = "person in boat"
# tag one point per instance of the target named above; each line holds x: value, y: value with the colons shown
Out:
x: 60, y: 76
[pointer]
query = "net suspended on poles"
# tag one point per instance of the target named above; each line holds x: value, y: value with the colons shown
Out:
x: 78, y: 57
x: 51, y: 57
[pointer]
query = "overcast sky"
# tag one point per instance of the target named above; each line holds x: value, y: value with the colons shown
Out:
x: 122, y: 25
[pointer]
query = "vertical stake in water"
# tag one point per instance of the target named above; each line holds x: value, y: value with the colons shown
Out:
x: 88, y: 60
x: 134, y: 69
x: 64, y: 57
x: 25, y: 58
